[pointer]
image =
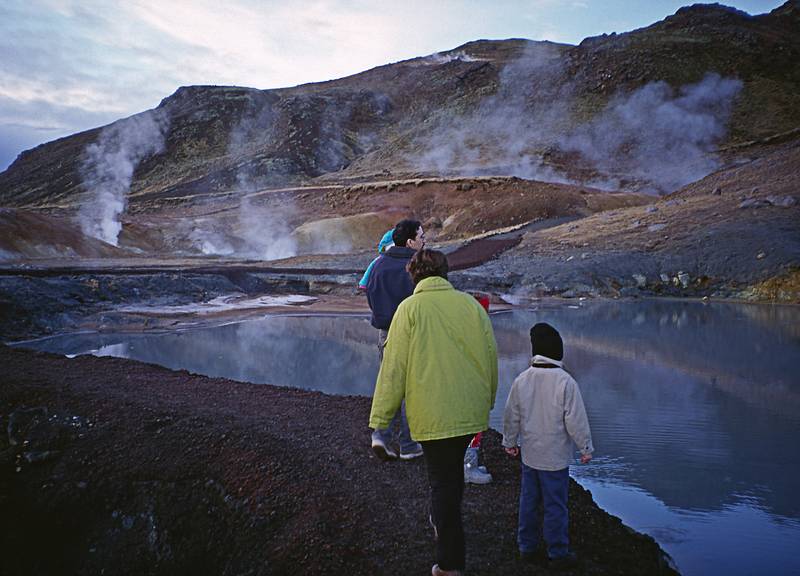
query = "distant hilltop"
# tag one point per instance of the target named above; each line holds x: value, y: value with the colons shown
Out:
x: 645, y: 110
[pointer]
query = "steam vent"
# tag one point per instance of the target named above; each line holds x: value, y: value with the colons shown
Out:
x: 188, y: 362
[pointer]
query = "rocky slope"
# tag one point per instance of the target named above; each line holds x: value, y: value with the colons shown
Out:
x: 396, y: 118
x: 536, y: 145
x: 736, y: 233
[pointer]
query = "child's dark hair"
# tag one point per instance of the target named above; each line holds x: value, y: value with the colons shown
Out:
x: 426, y: 263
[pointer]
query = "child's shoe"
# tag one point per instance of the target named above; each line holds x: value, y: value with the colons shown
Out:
x: 537, y: 557
x: 436, y: 571
x: 566, y: 562
x: 476, y: 475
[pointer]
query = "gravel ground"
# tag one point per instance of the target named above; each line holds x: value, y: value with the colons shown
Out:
x: 111, y: 466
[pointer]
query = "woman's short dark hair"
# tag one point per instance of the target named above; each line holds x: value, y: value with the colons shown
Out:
x: 426, y: 263
x: 404, y: 231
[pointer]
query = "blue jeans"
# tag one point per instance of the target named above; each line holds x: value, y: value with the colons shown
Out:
x: 399, y: 422
x: 551, y: 489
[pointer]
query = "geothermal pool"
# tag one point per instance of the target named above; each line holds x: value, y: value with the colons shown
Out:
x: 695, y: 408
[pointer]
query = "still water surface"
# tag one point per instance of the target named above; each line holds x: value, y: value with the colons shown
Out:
x: 694, y: 408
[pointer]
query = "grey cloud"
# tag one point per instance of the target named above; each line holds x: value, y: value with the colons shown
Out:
x: 24, y: 125
x: 78, y: 53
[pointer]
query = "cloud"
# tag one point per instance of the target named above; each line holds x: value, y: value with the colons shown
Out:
x: 25, y: 124
x: 113, y: 59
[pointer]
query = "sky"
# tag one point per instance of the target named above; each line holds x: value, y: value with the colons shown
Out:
x: 70, y: 65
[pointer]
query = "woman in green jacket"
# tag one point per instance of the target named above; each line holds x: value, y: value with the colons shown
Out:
x: 440, y: 357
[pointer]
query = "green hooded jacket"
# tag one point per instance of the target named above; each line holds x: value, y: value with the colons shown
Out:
x: 441, y: 357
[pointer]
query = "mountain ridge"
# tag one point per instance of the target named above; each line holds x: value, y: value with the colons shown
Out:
x: 378, y: 119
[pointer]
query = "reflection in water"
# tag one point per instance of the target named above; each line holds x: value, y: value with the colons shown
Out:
x: 695, y: 408
x: 338, y: 355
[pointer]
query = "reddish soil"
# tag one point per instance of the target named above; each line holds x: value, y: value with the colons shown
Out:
x: 477, y: 252
x: 137, y: 469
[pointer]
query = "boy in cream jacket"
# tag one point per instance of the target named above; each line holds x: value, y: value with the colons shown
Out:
x: 544, y: 416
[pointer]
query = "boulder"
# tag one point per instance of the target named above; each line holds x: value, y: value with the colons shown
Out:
x: 24, y: 423
x: 781, y: 201
x: 753, y: 203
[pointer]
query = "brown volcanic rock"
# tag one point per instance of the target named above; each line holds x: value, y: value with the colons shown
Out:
x: 25, y: 234
x: 465, y: 207
x: 330, y: 219
x: 450, y: 209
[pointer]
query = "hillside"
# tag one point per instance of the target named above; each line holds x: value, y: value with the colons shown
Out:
x: 510, y: 107
x: 619, y: 166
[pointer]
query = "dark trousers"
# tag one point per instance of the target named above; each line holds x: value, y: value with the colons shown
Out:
x: 445, y: 462
x: 548, y: 489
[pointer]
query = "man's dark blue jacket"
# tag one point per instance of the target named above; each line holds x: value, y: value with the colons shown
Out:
x: 389, y: 284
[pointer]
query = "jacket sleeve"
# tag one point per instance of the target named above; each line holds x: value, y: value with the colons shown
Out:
x: 365, y: 278
x: 492, y: 355
x: 575, y: 418
x: 511, y: 417
x: 391, y: 384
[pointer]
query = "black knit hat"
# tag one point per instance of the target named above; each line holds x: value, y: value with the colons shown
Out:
x: 546, y: 341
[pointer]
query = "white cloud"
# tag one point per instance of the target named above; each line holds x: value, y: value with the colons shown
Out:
x: 273, y: 46
x: 77, y: 96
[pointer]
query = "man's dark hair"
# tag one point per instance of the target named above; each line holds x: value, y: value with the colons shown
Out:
x: 426, y: 263
x: 404, y: 231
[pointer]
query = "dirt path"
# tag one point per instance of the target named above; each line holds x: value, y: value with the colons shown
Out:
x: 137, y: 469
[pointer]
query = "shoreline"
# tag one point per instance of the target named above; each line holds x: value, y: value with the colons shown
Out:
x: 335, y: 303
x: 141, y: 469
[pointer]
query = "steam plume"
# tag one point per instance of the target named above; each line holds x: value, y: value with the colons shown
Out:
x: 265, y: 230
x: 657, y: 136
x: 509, y: 128
x: 108, y: 166
x: 261, y: 228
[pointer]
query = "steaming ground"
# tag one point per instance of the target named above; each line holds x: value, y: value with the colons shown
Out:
x: 656, y: 162
x: 661, y: 162
x: 734, y: 234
